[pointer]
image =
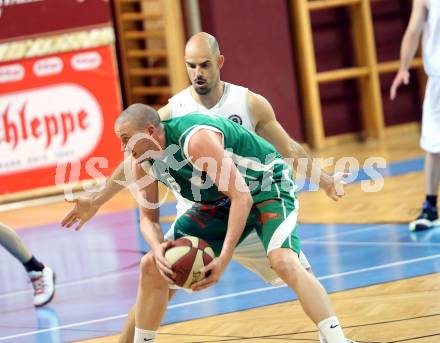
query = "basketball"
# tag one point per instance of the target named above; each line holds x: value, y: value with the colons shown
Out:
x: 186, y: 257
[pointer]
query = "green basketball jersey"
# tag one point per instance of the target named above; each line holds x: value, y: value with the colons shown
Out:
x: 261, y: 166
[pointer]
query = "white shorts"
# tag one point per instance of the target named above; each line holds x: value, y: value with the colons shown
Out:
x: 251, y: 254
x: 430, y: 138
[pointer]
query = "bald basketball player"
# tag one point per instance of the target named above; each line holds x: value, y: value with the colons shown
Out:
x: 209, y: 95
x: 41, y: 276
x: 425, y: 17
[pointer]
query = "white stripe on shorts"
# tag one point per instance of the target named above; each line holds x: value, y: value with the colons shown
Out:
x: 283, y: 231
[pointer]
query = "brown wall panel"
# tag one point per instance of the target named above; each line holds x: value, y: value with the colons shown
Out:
x: 334, y: 49
x: 390, y: 20
x: 332, y: 39
x: 255, y: 38
x: 341, y: 109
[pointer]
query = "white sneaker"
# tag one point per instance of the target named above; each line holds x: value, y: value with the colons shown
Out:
x: 44, y: 286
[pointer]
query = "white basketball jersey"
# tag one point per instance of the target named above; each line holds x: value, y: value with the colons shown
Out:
x: 431, y: 39
x: 232, y: 105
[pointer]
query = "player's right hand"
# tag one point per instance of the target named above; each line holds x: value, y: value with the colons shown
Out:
x: 214, y: 270
x: 162, y: 265
x: 84, y: 209
x: 401, y: 77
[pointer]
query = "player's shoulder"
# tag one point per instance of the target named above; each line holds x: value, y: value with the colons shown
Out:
x: 258, y: 104
x: 256, y: 98
x: 204, y: 140
x: 234, y: 87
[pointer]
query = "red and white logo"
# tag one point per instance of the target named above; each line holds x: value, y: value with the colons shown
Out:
x: 43, y: 126
x: 11, y: 73
x: 86, y: 61
x: 48, y: 66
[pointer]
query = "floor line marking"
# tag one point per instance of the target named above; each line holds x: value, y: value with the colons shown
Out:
x: 349, y: 232
x: 407, y: 244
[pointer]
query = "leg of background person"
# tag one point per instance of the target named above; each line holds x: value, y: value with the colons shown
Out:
x: 12, y: 243
x: 42, y: 277
x: 432, y: 174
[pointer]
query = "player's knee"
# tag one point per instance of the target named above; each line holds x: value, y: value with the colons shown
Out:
x: 284, y: 269
x: 148, y: 266
x: 285, y: 266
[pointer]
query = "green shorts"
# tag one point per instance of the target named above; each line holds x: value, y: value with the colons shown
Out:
x: 275, y: 221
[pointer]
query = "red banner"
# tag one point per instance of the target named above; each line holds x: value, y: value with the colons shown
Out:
x: 24, y: 18
x: 54, y: 109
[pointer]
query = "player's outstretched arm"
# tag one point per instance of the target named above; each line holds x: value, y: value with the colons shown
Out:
x: 86, y: 207
x: 409, y: 45
x: 207, y: 153
x: 267, y: 126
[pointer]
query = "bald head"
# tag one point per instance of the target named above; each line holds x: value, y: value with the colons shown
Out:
x: 203, y: 64
x: 203, y: 42
x: 139, y: 116
x: 140, y: 131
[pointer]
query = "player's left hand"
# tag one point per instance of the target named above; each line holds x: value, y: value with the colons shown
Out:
x: 334, y: 186
x: 215, y: 270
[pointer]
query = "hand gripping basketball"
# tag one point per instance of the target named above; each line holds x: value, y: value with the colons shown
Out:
x: 187, y: 256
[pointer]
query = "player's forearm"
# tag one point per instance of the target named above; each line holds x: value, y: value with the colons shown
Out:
x: 238, y: 214
x: 408, y: 50
x: 152, y: 233
x: 113, y: 185
x: 296, y: 154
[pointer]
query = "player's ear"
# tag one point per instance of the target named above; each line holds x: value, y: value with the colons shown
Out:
x: 220, y: 61
x: 150, y: 129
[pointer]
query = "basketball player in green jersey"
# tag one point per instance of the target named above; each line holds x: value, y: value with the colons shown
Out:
x: 238, y: 183
x: 211, y: 96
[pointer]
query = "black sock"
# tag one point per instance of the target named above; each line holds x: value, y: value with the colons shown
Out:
x: 432, y: 200
x: 33, y: 265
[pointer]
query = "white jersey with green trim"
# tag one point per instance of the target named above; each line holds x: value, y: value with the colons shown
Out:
x: 232, y: 105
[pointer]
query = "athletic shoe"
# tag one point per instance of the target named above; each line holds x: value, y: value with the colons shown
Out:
x: 427, y: 219
x: 44, y: 286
